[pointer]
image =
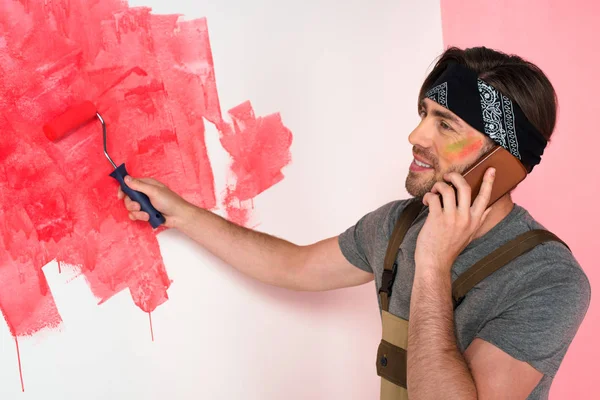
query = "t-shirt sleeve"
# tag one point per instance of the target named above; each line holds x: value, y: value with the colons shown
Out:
x: 359, y: 242
x: 539, y: 326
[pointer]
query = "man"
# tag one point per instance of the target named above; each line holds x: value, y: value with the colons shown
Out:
x: 509, y: 335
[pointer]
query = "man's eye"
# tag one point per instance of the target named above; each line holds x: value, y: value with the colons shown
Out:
x: 422, y: 114
x: 445, y: 126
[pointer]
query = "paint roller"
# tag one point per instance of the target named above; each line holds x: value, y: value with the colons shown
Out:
x: 81, y: 114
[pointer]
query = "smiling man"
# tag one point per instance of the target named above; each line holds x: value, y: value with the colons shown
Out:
x: 507, y: 333
x: 460, y: 145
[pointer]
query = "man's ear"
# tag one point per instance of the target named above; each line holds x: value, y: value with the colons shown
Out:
x: 489, y: 144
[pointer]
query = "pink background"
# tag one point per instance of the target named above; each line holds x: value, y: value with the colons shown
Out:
x: 562, y: 38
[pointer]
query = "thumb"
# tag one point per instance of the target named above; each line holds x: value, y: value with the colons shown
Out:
x: 140, y: 186
x: 485, y: 215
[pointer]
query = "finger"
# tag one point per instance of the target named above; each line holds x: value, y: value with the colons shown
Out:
x: 483, y: 198
x: 141, y: 186
x: 139, y: 216
x: 120, y: 193
x: 131, y: 205
x: 448, y: 195
x: 463, y: 189
x: 433, y: 202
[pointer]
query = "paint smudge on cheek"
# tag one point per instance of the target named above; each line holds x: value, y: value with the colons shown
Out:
x: 464, y: 149
x: 153, y: 80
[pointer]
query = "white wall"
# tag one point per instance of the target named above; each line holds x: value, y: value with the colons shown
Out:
x: 345, y: 76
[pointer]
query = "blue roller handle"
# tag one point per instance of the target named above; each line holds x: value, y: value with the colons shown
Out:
x: 156, y: 218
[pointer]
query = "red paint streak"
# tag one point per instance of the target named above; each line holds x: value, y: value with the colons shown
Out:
x: 151, y: 330
x: 152, y: 78
x: 259, y: 148
x: 19, y: 361
x: 25, y: 299
x: 464, y: 149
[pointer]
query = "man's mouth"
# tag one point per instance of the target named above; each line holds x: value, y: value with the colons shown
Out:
x: 422, y: 164
x: 419, y: 165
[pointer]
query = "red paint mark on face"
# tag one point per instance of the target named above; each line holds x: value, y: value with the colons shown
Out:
x: 464, y: 148
x: 152, y: 78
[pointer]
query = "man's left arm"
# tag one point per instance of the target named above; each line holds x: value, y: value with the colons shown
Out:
x: 493, y: 366
x: 436, y: 367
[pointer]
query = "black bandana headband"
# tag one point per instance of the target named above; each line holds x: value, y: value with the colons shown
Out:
x: 490, y: 112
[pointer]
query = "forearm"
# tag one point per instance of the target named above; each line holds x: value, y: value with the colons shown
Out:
x: 261, y: 256
x: 436, y: 368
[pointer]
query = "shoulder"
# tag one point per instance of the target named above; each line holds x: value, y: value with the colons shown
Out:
x: 553, y: 268
x: 549, y: 272
x: 362, y: 242
x: 383, y: 218
x: 541, y: 299
x: 552, y: 260
x: 393, y: 210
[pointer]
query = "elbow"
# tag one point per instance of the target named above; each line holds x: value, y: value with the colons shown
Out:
x: 297, y: 269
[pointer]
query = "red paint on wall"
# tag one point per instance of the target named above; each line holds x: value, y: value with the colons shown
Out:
x: 259, y: 148
x: 153, y: 80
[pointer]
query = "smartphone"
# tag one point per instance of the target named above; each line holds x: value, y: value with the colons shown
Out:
x: 509, y: 173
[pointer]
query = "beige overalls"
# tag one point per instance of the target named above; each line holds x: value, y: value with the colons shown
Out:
x: 392, y: 351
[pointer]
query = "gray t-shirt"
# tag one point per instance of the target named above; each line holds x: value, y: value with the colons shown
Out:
x: 531, y: 308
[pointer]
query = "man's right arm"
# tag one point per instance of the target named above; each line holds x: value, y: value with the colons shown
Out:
x: 271, y: 260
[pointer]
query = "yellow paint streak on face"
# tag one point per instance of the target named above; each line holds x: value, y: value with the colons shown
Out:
x: 463, y: 149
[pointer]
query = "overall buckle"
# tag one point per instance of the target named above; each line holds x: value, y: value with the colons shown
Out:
x: 387, y: 279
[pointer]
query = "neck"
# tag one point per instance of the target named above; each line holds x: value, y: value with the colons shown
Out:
x: 499, y: 210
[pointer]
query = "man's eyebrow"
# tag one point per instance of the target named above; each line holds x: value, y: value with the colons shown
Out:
x: 440, y: 113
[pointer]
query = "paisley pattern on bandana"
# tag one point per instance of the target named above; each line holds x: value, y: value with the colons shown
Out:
x: 439, y: 94
x: 498, y: 118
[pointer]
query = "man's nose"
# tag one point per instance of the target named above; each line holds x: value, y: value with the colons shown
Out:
x: 423, y: 135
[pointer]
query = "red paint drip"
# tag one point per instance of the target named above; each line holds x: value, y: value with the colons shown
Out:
x: 151, y: 330
x: 152, y: 78
x: 19, y: 361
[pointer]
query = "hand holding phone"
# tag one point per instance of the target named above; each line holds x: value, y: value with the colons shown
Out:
x: 445, y: 234
x: 509, y: 173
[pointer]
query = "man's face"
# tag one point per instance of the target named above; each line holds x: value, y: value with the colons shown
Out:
x: 442, y: 143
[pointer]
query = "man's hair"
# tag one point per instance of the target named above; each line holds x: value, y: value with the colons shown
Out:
x: 522, y: 81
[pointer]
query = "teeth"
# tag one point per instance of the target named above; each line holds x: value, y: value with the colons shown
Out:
x: 420, y: 164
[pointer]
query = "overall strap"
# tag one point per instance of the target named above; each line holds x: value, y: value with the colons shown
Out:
x: 498, y: 258
x: 408, y: 216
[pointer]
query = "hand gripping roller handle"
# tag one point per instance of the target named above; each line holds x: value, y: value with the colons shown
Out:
x: 81, y: 114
